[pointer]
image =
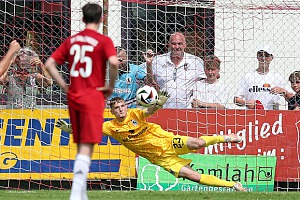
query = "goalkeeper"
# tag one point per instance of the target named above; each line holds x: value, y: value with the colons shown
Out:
x: 160, y: 147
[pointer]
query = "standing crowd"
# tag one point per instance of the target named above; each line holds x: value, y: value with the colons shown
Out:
x: 196, y: 83
x: 192, y: 82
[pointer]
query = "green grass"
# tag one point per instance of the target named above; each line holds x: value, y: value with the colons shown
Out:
x: 147, y: 195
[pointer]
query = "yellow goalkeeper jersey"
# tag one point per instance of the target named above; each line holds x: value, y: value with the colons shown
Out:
x: 135, y: 133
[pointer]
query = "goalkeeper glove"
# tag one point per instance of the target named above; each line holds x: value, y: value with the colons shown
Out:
x: 162, y: 98
x: 63, y: 125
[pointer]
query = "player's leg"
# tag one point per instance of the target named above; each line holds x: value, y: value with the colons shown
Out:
x: 180, y: 168
x: 86, y: 132
x: 81, y: 169
x: 82, y: 160
x: 204, y: 179
x: 204, y: 141
x: 185, y: 144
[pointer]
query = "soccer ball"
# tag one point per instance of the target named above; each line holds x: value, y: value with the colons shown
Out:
x: 146, y: 96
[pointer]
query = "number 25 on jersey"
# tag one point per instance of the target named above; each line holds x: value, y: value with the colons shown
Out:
x: 79, y: 56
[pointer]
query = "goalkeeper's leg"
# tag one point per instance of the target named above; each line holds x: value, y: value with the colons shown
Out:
x: 204, y: 179
x: 204, y: 141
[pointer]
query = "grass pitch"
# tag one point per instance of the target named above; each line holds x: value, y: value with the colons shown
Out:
x: 147, y: 195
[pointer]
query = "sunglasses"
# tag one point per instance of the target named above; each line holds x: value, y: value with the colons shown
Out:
x: 120, y: 59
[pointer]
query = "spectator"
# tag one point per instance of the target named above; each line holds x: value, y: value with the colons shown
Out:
x: 293, y: 100
x: 14, y: 47
x: 176, y: 72
x: 33, y: 40
x: 23, y: 80
x: 255, y: 87
x: 130, y: 78
x: 148, y: 56
x: 211, y: 92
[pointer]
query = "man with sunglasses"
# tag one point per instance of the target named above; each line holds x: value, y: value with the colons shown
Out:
x: 130, y: 78
x: 257, y: 89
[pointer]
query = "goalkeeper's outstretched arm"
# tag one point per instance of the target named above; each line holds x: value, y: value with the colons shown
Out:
x: 162, y: 98
x: 63, y: 125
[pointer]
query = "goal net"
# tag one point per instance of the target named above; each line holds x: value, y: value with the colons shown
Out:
x: 34, y: 154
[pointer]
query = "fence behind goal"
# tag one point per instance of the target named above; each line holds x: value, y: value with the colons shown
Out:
x: 35, y: 154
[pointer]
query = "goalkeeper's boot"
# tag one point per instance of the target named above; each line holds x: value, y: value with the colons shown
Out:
x: 233, y: 138
x: 239, y: 187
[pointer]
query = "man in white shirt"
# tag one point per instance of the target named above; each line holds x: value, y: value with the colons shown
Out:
x: 211, y: 92
x: 255, y: 87
x: 176, y: 72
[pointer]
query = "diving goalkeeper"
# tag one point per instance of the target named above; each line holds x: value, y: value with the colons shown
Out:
x: 158, y: 146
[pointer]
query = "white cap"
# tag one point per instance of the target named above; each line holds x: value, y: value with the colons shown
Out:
x: 265, y: 48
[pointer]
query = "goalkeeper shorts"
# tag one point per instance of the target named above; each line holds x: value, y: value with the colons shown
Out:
x: 170, y: 160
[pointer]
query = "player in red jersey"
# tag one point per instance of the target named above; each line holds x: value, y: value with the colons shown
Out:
x: 87, y: 53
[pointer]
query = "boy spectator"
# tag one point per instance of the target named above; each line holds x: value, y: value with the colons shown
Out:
x: 293, y: 100
x: 211, y: 92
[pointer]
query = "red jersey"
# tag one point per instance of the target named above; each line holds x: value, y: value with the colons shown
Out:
x: 87, y: 53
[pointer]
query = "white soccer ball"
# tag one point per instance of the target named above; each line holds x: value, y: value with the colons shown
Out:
x: 146, y: 96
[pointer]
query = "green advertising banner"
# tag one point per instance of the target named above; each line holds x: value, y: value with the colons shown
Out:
x: 256, y: 173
